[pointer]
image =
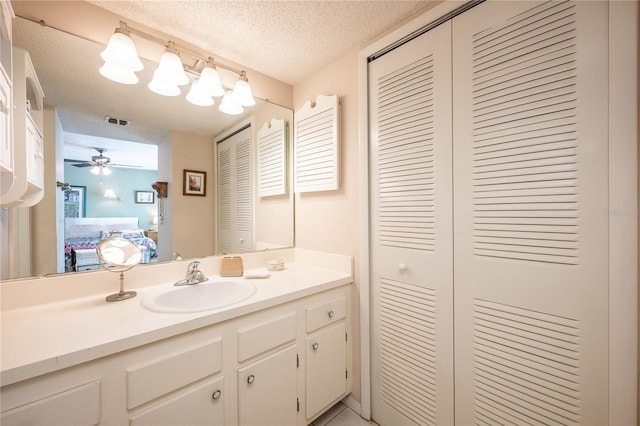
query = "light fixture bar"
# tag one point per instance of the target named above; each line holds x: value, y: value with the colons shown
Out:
x: 124, y: 26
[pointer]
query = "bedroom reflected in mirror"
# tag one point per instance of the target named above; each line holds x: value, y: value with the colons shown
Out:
x: 83, y: 235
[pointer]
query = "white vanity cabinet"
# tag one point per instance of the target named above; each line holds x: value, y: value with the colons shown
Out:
x: 254, y: 368
x: 171, y: 384
x: 326, y: 355
x: 267, y: 393
x: 268, y: 363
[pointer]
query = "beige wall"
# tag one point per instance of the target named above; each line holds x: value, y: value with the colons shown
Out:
x: 191, y: 217
x: 328, y: 221
x: 44, y: 220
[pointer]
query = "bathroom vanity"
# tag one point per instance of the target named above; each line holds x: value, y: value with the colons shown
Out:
x: 281, y: 357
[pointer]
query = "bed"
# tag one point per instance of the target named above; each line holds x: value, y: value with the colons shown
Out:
x: 82, y: 235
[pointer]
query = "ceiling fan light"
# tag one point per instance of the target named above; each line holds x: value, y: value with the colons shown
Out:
x: 242, y: 92
x: 198, y: 96
x: 95, y: 170
x: 106, y: 171
x: 210, y: 81
x: 118, y: 75
x: 229, y: 105
x: 161, y: 87
x: 170, y: 69
x: 121, y: 52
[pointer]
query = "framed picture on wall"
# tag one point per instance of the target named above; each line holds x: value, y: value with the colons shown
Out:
x: 75, y: 201
x: 145, y: 197
x: 194, y: 183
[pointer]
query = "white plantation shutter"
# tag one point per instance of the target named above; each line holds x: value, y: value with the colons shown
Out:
x: 316, y: 159
x: 272, y: 159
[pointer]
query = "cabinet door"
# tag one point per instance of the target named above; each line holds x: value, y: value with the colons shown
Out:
x: 326, y: 369
x: 201, y: 405
x: 35, y: 155
x: 267, y: 390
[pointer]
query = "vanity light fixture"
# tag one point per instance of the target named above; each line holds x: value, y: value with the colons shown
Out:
x: 229, y: 105
x: 122, y: 62
x: 121, y: 59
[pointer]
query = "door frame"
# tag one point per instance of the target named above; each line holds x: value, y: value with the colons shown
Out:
x: 623, y: 202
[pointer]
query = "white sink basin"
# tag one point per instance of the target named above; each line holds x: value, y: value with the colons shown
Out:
x: 200, y: 297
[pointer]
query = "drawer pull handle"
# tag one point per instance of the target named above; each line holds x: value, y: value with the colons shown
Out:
x: 251, y: 379
x: 331, y: 314
x: 314, y: 346
x: 402, y: 267
x: 216, y: 394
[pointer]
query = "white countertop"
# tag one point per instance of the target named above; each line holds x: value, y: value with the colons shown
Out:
x: 47, y: 337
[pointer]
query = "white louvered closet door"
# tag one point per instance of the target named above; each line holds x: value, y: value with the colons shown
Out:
x: 235, y: 195
x: 530, y: 197
x: 412, y: 311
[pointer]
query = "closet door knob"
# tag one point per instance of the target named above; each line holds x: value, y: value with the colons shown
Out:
x: 251, y: 379
x: 216, y: 394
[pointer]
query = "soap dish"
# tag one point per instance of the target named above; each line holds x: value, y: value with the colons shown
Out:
x: 275, y: 265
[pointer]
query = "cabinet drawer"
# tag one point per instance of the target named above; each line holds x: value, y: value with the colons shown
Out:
x: 256, y: 340
x: 77, y: 406
x: 202, y: 405
x: 158, y: 377
x: 325, y: 313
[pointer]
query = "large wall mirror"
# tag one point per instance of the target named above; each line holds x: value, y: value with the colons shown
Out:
x: 67, y: 67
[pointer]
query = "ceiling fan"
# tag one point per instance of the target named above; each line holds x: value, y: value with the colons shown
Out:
x: 99, y: 163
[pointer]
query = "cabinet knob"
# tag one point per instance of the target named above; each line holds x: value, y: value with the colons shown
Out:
x: 402, y: 267
x: 331, y: 314
x: 251, y: 379
x: 216, y: 394
x: 314, y: 346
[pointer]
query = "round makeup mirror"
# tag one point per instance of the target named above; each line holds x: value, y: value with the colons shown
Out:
x: 118, y: 255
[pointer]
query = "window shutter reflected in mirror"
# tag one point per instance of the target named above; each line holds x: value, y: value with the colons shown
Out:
x: 272, y: 159
x: 316, y: 145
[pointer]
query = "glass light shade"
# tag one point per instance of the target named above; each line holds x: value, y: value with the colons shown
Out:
x: 170, y: 69
x: 198, y: 96
x: 121, y: 52
x: 110, y: 194
x: 106, y: 171
x: 229, y: 105
x: 118, y: 75
x: 210, y: 81
x: 242, y: 92
x: 159, y: 86
x: 95, y: 170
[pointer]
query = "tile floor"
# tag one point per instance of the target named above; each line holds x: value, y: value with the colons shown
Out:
x: 341, y: 415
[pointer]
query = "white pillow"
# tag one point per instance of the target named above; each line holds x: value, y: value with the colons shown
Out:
x: 84, y: 231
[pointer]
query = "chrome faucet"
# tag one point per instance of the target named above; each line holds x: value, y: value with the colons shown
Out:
x: 193, y: 276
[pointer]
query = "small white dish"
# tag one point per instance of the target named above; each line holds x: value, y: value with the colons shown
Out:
x: 275, y: 265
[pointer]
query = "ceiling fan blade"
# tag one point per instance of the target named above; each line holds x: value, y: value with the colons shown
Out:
x: 128, y: 166
x: 68, y: 160
x: 83, y: 164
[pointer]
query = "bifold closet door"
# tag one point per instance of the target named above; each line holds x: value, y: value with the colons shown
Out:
x: 411, y: 232
x: 530, y: 203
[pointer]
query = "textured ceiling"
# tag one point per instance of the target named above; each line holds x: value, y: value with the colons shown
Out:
x: 285, y: 39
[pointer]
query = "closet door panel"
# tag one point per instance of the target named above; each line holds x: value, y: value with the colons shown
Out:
x: 530, y: 203
x: 411, y: 220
